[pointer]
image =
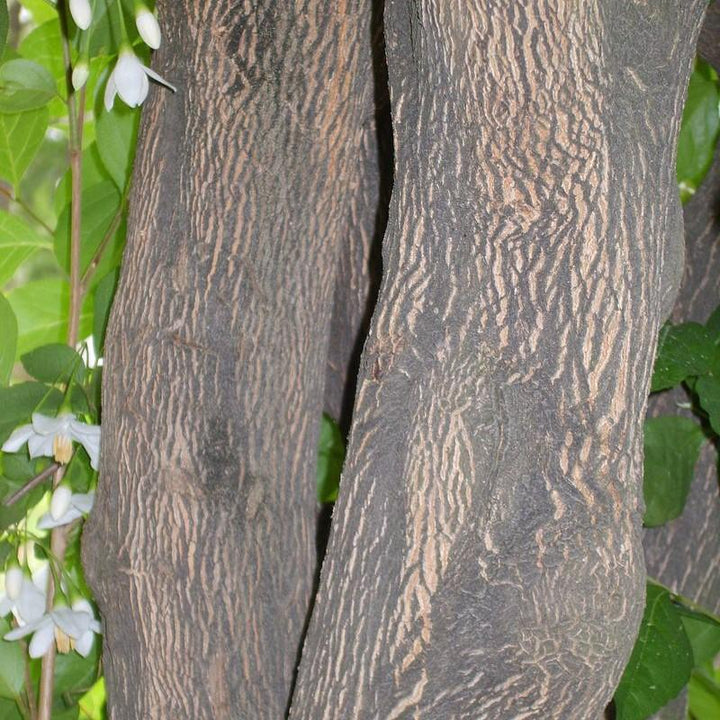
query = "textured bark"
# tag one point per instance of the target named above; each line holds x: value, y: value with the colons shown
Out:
x: 201, y: 548
x: 485, y: 557
x: 359, y: 266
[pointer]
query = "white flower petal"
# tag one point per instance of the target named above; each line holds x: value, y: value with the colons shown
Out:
x: 71, y: 622
x: 6, y: 605
x: 18, y: 438
x: 110, y: 93
x: 14, y: 578
x: 84, y: 643
x: 41, y: 640
x: 130, y: 79
x: 89, y: 437
x: 31, y: 603
x: 48, y: 522
x: 83, y: 502
x: 44, y: 425
x: 61, y: 501
x: 148, y: 28
x: 31, y: 627
x: 81, y: 13
x: 160, y: 79
x: 41, y: 446
x: 40, y: 577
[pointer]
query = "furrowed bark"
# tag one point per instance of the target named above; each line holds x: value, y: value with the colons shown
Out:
x: 201, y: 547
x: 485, y: 557
x: 359, y: 269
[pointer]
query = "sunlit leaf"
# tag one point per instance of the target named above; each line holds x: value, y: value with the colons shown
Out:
x: 41, y: 308
x: 4, y: 24
x: 704, y: 694
x: 672, y: 446
x: 12, y: 665
x: 20, y: 138
x: 92, y: 703
x: 18, y: 242
x: 661, y: 660
x: 8, y: 340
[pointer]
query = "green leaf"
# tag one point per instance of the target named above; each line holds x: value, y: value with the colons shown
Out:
x: 41, y: 10
x: 93, y: 173
x: 713, y: 324
x: 54, y: 363
x: 708, y: 392
x: 704, y: 694
x: 42, y: 45
x: 19, y: 402
x: 331, y: 455
x: 18, y: 242
x: 9, y: 710
x: 683, y: 350
x: 8, y: 341
x: 41, y: 308
x: 4, y: 25
x: 661, y: 660
x: 100, y: 205
x: 25, y: 85
x: 74, y: 672
x: 12, y: 665
x: 92, y: 703
x: 672, y: 446
x: 704, y: 636
x: 116, y: 134
x: 104, y: 295
x: 20, y: 138
x: 698, y: 131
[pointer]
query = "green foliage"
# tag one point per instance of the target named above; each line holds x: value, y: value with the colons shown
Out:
x: 18, y: 243
x: 12, y: 666
x: 104, y: 294
x: 683, y: 350
x: 116, y: 139
x: 699, y: 129
x: 25, y: 85
x: 672, y: 446
x: 8, y: 333
x: 331, y: 455
x: 20, y: 137
x: 54, y: 363
x: 4, y: 24
x: 661, y: 661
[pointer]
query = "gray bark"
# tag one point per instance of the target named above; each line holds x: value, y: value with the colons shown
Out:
x: 485, y: 557
x: 201, y: 548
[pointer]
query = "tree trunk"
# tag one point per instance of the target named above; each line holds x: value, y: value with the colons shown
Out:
x: 201, y: 546
x: 485, y: 557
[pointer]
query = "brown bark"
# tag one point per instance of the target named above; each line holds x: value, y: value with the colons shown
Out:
x: 201, y: 546
x: 485, y: 557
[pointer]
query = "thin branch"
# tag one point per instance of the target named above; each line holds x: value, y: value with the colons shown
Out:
x: 30, y: 485
x: 29, y: 687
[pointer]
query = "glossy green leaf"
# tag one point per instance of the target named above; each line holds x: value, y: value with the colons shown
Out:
x: 18, y: 242
x: 20, y: 138
x: 41, y: 10
x: 42, y: 45
x: 707, y: 388
x: 25, y: 85
x: 661, y: 660
x: 41, y: 308
x: 4, y: 25
x: 704, y: 636
x: 683, y: 350
x: 116, y: 138
x: 104, y: 295
x: 12, y: 664
x: 8, y: 340
x: 54, y: 363
x: 699, y: 129
x: 100, y: 206
x: 672, y: 446
x: 331, y: 455
x: 19, y: 402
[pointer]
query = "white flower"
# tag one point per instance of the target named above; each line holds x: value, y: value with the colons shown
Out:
x: 129, y: 80
x: 81, y: 13
x: 25, y: 599
x: 80, y: 74
x: 52, y: 437
x: 148, y: 27
x: 69, y: 627
x: 66, y: 506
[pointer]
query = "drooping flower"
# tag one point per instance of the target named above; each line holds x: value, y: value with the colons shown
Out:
x: 147, y: 26
x: 70, y: 628
x: 25, y: 599
x: 66, y: 506
x: 81, y: 13
x: 53, y: 437
x: 129, y: 80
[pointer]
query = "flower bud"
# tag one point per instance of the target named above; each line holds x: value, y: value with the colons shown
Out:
x: 148, y: 27
x: 81, y: 13
x: 80, y: 75
x: 13, y: 582
x: 60, y: 502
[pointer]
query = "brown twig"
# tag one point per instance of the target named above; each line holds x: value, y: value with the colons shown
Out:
x: 30, y: 484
